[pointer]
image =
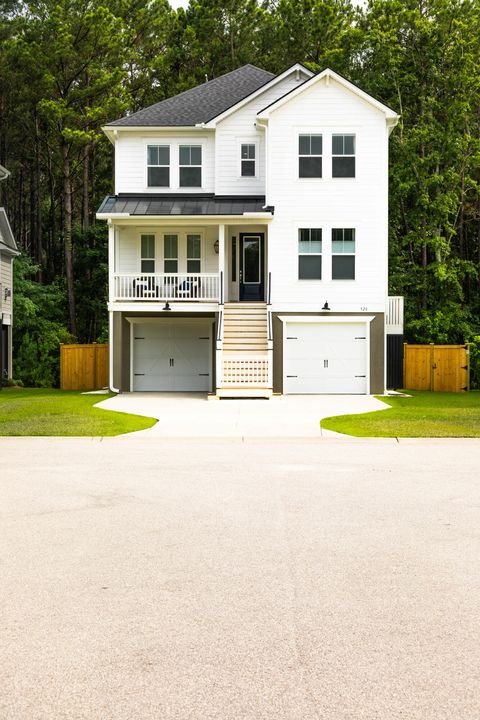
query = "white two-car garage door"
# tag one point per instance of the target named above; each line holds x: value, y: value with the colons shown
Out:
x: 321, y: 357
x: 172, y: 355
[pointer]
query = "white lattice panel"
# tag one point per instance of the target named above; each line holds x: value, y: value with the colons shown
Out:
x: 245, y: 372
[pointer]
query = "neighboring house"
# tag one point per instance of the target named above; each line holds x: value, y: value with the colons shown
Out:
x: 8, y: 250
x: 248, y: 238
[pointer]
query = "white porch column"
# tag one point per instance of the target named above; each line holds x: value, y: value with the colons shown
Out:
x: 111, y: 261
x: 221, y: 262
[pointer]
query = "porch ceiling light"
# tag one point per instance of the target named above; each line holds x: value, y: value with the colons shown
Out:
x: 167, y: 306
x: 216, y: 246
x: 325, y: 307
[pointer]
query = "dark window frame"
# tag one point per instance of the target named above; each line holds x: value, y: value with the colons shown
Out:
x: 307, y: 158
x: 247, y: 161
x: 302, y: 265
x: 151, y: 167
x: 343, y: 163
x: 338, y: 235
x: 189, y: 165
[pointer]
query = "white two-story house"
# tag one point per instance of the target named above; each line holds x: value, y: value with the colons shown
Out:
x: 248, y: 238
x: 8, y: 251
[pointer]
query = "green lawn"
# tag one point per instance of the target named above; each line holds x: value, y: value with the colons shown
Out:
x: 425, y: 414
x: 55, y: 412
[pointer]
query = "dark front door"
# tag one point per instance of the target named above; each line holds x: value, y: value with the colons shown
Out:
x: 252, y: 266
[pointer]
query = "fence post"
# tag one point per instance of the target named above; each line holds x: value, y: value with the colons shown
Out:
x: 404, y: 364
x: 432, y: 363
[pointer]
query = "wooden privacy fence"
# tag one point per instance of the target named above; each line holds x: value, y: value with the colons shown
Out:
x: 83, y: 367
x: 442, y: 368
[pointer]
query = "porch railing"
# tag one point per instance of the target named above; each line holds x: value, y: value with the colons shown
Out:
x: 394, y: 315
x: 160, y: 286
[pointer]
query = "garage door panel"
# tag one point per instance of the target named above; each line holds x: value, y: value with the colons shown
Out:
x: 325, y: 358
x: 169, y: 357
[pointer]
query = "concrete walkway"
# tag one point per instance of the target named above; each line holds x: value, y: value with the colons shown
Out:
x: 192, y: 415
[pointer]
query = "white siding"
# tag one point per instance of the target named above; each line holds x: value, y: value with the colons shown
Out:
x: 327, y: 202
x: 240, y: 127
x: 128, y: 247
x: 131, y: 160
x: 6, y: 281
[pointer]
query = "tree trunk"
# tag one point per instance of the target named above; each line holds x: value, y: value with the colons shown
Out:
x: 39, y: 257
x: 67, y: 234
x: 86, y: 180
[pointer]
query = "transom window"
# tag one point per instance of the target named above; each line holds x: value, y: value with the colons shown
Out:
x: 170, y: 253
x: 343, y: 155
x: 310, y: 156
x: 309, y: 254
x: 343, y: 254
x: 158, y: 166
x: 194, y: 251
x: 248, y: 160
x: 190, y: 161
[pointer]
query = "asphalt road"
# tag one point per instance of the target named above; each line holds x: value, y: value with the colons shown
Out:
x: 144, y: 578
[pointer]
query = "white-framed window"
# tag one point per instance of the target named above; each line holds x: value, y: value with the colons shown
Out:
x: 310, y: 149
x: 170, y: 253
x: 194, y: 252
x: 190, y: 165
x: 147, y: 253
x: 248, y: 153
x: 343, y: 254
x: 343, y: 156
x: 309, y: 253
x: 158, y: 165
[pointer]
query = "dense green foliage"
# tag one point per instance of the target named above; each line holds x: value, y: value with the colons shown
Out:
x: 55, y: 412
x: 424, y: 414
x: 68, y: 66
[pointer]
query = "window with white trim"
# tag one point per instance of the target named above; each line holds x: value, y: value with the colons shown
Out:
x: 310, y: 148
x: 309, y: 254
x: 190, y: 162
x: 147, y: 253
x: 170, y: 253
x: 158, y: 165
x: 343, y: 156
x: 247, y: 159
x: 194, y: 253
x: 343, y: 254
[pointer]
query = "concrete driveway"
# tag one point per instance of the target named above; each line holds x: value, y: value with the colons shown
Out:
x: 152, y: 579
x: 192, y: 415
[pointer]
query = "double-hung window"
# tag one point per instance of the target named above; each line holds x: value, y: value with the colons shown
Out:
x: 147, y: 262
x: 158, y: 165
x: 247, y: 160
x: 194, y: 248
x: 310, y: 156
x: 170, y: 253
x: 190, y: 162
x: 343, y: 156
x: 309, y: 254
x: 343, y: 254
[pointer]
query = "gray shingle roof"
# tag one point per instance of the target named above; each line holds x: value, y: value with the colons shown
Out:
x: 182, y: 205
x: 7, y: 241
x: 201, y: 103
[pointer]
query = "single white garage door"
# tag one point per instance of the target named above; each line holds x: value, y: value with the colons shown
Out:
x: 325, y: 358
x: 169, y: 356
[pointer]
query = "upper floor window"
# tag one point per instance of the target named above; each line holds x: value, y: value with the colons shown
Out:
x: 309, y: 254
x: 190, y: 161
x: 147, y: 262
x: 343, y: 155
x: 310, y: 156
x: 343, y: 254
x: 158, y: 165
x: 248, y: 160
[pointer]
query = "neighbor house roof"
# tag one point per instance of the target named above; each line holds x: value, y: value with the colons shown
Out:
x: 201, y: 103
x: 7, y: 241
x: 4, y: 173
x: 204, y: 204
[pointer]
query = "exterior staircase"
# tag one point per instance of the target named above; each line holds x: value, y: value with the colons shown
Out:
x: 246, y: 351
